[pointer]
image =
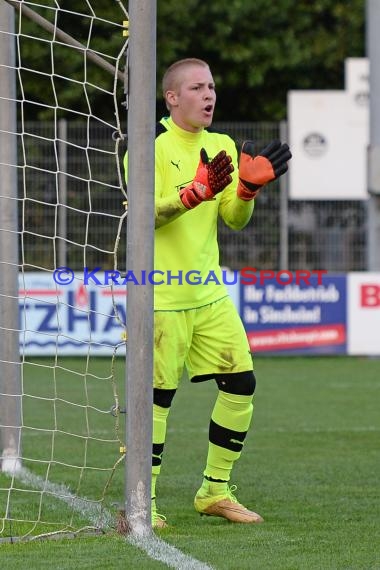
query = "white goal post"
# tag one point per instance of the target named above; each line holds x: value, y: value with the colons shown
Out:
x: 62, y: 387
x: 9, y: 346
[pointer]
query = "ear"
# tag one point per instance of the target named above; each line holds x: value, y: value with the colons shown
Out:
x: 172, y: 98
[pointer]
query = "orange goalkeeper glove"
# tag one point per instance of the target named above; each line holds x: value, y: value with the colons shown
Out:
x: 210, y: 179
x: 255, y: 171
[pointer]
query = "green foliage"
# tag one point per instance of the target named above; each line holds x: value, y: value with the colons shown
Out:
x: 258, y: 51
x: 56, y: 74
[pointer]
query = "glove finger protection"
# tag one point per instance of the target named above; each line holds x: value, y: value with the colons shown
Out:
x: 256, y: 171
x: 219, y: 172
x: 278, y: 154
x: 210, y: 178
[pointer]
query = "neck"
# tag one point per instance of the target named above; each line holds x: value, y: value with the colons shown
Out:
x: 185, y: 126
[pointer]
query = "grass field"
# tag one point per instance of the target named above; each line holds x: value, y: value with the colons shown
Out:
x: 310, y: 466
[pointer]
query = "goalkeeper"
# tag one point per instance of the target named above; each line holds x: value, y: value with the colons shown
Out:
x: 198, y: 179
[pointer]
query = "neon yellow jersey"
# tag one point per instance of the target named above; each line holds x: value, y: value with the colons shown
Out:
x: 186, y: 255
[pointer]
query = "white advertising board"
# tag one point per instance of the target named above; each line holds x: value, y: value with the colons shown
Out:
x: 69, y: 319
x: 328, y: 138
x: 356, y: 74
x: 363, y: 294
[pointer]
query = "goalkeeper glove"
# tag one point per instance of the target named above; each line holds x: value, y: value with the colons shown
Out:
x: 210, y: 179
x: 255, y: 171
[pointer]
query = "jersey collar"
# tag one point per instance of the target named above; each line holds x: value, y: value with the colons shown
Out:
x: 187, y: 136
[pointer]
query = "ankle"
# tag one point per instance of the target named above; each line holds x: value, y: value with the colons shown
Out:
x: 214, y: 486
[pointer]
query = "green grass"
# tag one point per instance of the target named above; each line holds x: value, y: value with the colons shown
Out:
x: 310, y: 467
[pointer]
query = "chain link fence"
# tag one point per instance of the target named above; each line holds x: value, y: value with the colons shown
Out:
x: 70, y: 201
x: 329, y: 235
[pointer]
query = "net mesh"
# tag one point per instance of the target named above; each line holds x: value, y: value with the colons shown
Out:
x: 62, y: 438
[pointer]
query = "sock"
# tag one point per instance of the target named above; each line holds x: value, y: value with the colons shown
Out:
x: 230, y: 420
x: 160, y: 416
x: 210, y: 487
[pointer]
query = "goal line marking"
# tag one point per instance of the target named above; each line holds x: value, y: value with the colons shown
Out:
x: 152, y: 545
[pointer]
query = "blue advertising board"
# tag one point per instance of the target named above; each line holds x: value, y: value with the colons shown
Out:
x: 294, y: 313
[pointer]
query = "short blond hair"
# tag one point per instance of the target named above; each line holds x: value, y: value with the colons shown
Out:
x: 171, y: 79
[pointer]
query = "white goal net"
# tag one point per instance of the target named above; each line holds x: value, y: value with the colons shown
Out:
x: 62, y: 242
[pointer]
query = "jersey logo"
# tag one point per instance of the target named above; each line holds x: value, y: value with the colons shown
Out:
x: 176, y: 164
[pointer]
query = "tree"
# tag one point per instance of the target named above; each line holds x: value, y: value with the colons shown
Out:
x: 257, y: 50
x: 53, y: 74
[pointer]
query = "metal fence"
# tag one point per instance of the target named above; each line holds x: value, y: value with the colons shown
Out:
x: 329, y: 235
x: 70, y: 202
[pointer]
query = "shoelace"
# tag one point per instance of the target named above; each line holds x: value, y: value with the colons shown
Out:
x: 155, y: 515
x: 159, y: 517
x: 230, y: 493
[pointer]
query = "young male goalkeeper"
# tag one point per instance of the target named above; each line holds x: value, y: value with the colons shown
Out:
x: 198, y: 179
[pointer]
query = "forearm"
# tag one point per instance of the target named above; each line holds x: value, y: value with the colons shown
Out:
x: 167, y: 210
x: 235, y: 212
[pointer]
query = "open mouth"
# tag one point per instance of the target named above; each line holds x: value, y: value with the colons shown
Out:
x: 208, y: 109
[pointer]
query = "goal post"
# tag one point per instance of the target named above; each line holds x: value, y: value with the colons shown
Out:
x: 10, y: 375
x: 139, y: 385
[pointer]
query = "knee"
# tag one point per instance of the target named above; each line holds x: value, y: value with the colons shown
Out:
x: 239, y: 383
x: 163, y: 398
